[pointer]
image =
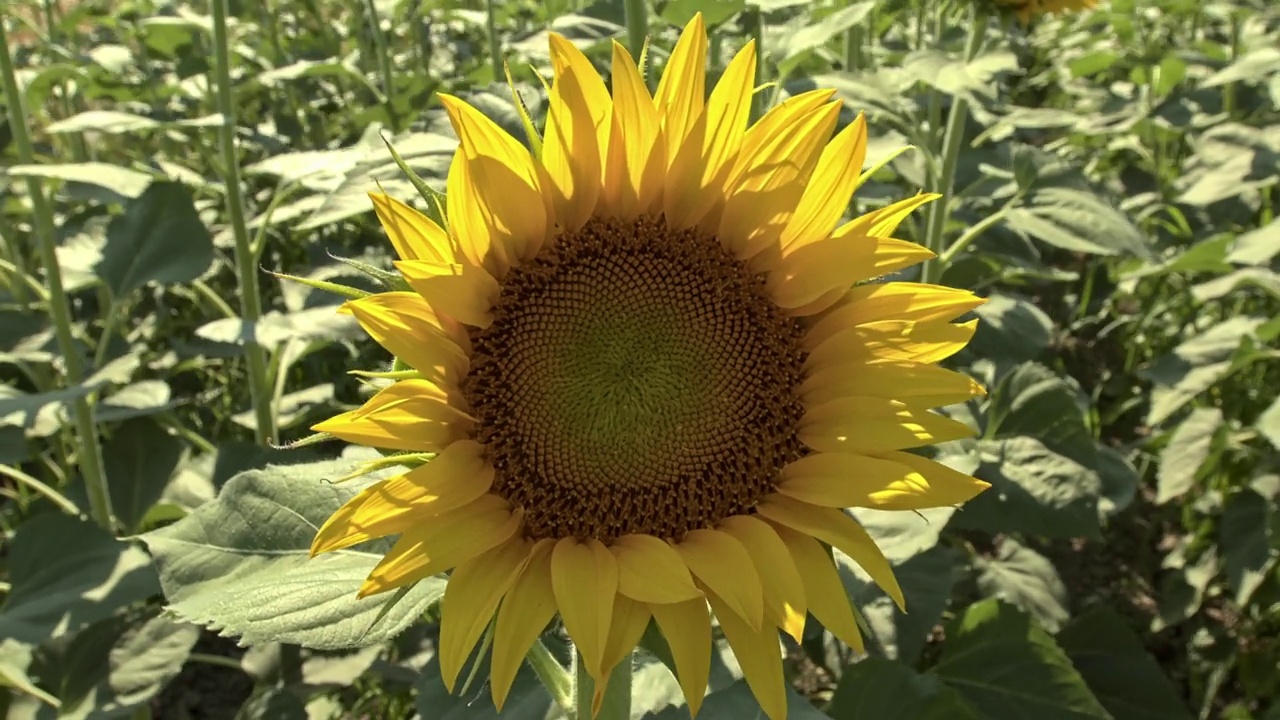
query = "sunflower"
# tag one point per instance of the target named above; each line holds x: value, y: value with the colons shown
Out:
x: 652, y: 375
x: 1028, y: 9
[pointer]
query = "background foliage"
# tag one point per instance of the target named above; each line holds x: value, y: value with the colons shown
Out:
x: 1114, y: 197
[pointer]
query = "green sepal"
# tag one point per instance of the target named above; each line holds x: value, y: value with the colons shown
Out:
x: 313, y: 439
x: 434, y: 198
x: 392, y: 280
x: 390, y: 458
x: 387, y: 374
x: 345, y: 291
x: 530, y: 131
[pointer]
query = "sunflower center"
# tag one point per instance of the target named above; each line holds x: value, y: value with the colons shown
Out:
x: 635, y: 379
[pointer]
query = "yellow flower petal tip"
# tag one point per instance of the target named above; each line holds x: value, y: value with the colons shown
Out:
x: 626, y: 423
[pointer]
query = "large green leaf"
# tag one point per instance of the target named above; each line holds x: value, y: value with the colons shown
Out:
x: 1034, y: 401
x: 1248, y: 549
x: 527, y: 700
x: 1196, y: 365
x: 1034, y: 490
x: 117, y: 666
x: 139, y: 459
x: 926, y: 581
x: 67, y: 574
x: 1078, y: 221
x: 240, y: 564
x: 159, y: 238
x: 1021, y: 576
x: 881, y: 689
x: 1124, y: 677
x: 1007, y: 667
x: 736, y: 702
x: 1011, y: 330
x: 1188, y: 450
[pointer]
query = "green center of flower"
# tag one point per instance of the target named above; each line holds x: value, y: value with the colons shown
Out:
x: 635, y: 380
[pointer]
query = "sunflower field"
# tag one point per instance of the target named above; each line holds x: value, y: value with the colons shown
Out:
x: 452, y: 359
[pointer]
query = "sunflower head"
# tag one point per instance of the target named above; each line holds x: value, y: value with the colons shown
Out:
x: 654, y: 371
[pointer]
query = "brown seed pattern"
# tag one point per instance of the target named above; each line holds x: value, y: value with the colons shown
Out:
x: 635, y: 379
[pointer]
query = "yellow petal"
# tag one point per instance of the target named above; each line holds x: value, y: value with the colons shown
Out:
x: 405, y: 324
x: 407, y: 415
x: 875, y: 425
x: 682, y: 89
x: 704, y: 171
x: 630, y: 618
x: 461, y: 291
x: 723, y: 565
x: 687, y: 629
x: 637, y: 162
x: 827, y: 194
x: 456, y: 477
x: 892, y: 301
x: 895, y: 481
x: 837, y: 529
x: 470, y: 599
x: 784, y: 602
x: 828, y: 599
x: 443, y: 542
x: 916, y: 383
x: 762, y: 199
x: 836, y: 263
x: 414, y: 235
x: 502, y: 209
x: 577, y: 132
x: 585, y: 579
x: 759, y: 656
x: 525, y: 612
x: 889, y: 340
x: 650, y: 570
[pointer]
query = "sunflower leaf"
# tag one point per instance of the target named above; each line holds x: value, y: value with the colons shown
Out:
x: 240, y: 564
x: 1006, y: 666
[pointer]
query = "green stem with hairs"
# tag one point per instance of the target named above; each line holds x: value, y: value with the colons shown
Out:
x: 246, y: 271
x: 551, y: 674
x: 90, y: 456
x: 952, y: 139
x: 617, y: 693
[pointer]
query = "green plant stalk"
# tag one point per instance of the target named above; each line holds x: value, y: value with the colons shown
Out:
x: 384, y: 63
x: 952, y: 139
x: 246, y: 270
x: 853, y: 49
x: 758, y: 101
x: 617, y: 694
x: 495, y: 45
x: 551, y: 674
x: 53, y: 496
x: 636, y: 17
x: 946, y: 257
x: 90, y: 456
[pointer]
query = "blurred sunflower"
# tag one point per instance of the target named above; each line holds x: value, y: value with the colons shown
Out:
x: 1027, y: 9
x: 649, y: 383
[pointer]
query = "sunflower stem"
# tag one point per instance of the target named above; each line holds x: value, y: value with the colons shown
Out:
x: 495, y: 45
x: 637, y: 19
x: 95, y: 478
x: 952, y: 139
x: 250, y: 300
x: 551, y: 674
x: 617, y: 694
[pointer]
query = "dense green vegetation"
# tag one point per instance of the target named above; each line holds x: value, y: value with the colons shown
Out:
x: 1112, y: 181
